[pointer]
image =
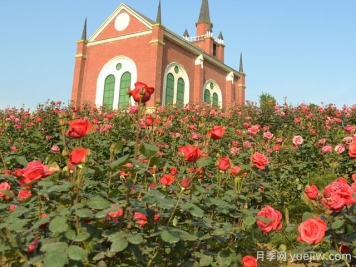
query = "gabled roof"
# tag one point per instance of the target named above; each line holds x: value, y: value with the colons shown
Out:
x: 145, y: 20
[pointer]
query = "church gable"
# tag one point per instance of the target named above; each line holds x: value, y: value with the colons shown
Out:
x: 124, y: 20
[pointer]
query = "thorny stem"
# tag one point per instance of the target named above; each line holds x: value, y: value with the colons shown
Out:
x: 3, y: 160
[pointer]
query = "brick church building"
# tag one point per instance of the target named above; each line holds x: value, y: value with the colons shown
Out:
x: 129, y: 47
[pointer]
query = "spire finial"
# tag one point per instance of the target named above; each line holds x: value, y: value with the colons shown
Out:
x: 241, y: 68
x: 186, y: 34
x: 84, y: 34
x: 204, y: 16
x: 159, y: 17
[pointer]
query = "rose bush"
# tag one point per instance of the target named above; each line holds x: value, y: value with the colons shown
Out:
x: 151, y: 194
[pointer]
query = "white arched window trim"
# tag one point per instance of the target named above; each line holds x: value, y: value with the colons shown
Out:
x: 216, y: 90
x: 181, y: 74
x: 110, y: 68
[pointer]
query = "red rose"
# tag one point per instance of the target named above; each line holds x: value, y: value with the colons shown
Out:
x: 235, y: 170
x: 186, y: 182
x: 79, y: 128
x: 352, y: 148
x: 312, y: 192
x: 224, y: 163
x: 23, y: 194
x: 116, y: 214
x: 337, y: 195
x: 34, y: 171
x: 78, y: 155
x: 33, y: 245
x: 249, y: 261
x: 4, y: 187
x: 274, y: 219
x: 173, y: 171
x: 167, y: 179
x: 217, y: 132
x: 191, y: 153
x: 259, y: 160
x: 140, y: 218
x: 141, y: 93
x: 312, y: 231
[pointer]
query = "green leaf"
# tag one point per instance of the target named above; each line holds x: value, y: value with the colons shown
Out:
x: 337, y: 224
x: 205, y: 260
x: 170, y: 236
x: 21, y: 160
x: 204, y: 162
x: 70, y: 234
x: 55, y: 259
x: 118, y: 146
x: 54, y: 247
x: 135, y: 239
x: 84, y: 213
x: 59, y: 188
x: 224, y: 258
x: 149, y: 150
x: 98, y: 203
x: 196, y: 211
x: 290, y: 228
x: 58, y: 225
x: 119, y: 245
x: 76, y: 253
x: 18, y: 224
x: 248, y: 221
x: 307, y: 215
x: 119, y: 162
x: 82, y: 237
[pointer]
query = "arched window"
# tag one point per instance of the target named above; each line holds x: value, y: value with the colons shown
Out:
x: 125, y: 83
x: 180, y: 93
x: 115, y: 77
x: 215, y: 100
x: 207, y: 96
x: 170, y: 89
x: 175, y: 85
x: 109, y: 88
x: 212, y: 94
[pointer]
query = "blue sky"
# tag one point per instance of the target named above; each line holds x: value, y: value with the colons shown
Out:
x: 303, y: 50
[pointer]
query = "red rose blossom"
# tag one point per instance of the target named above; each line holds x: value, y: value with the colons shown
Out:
x: 312, y: 231
x: 142, y: 93
x: 217, y: 132
x: 186, y: 182
x: 191, y: 153
x: 224, y: 163
x: 249, y: 261
x: 34, y: 171
x: 79, y: 128
x: 337, y: 195
x: 259, y: 160
x: 78, y: 155
x: 167, y: 179
x: 274, y: 219
x: 352, y: 148
x: 312, y: 192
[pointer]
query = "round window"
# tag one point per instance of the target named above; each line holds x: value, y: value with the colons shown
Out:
x: 118, y: 66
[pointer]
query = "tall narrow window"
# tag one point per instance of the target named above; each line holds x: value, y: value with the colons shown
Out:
x: 125, y: 83
x: 215, y: 100
x: 214, y: 49
x: 109, y: 86
x: 207, y: 96
x: 170, y: 89
x: 180, y: 93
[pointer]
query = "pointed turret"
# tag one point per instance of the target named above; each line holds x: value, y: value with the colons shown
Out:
x: 159, y: 16
x: 220, y: 36
x: 204, y: 24
x: 204, y: 16
x: 186, y: 34
x: 241, y: 68
x: 84, y: 34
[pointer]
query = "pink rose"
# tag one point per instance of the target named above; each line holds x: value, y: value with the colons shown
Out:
x: 24, y: 194
x: 312, y: 231
x: 297, y: 140
x: 337, y: 195
x: 34, y: 171
x: 3, y: 187
x: 312, y: 192
x: 274, y: 219
x: 259, y: 160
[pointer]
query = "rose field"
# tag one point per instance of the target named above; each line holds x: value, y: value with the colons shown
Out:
x: 256, y: 185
